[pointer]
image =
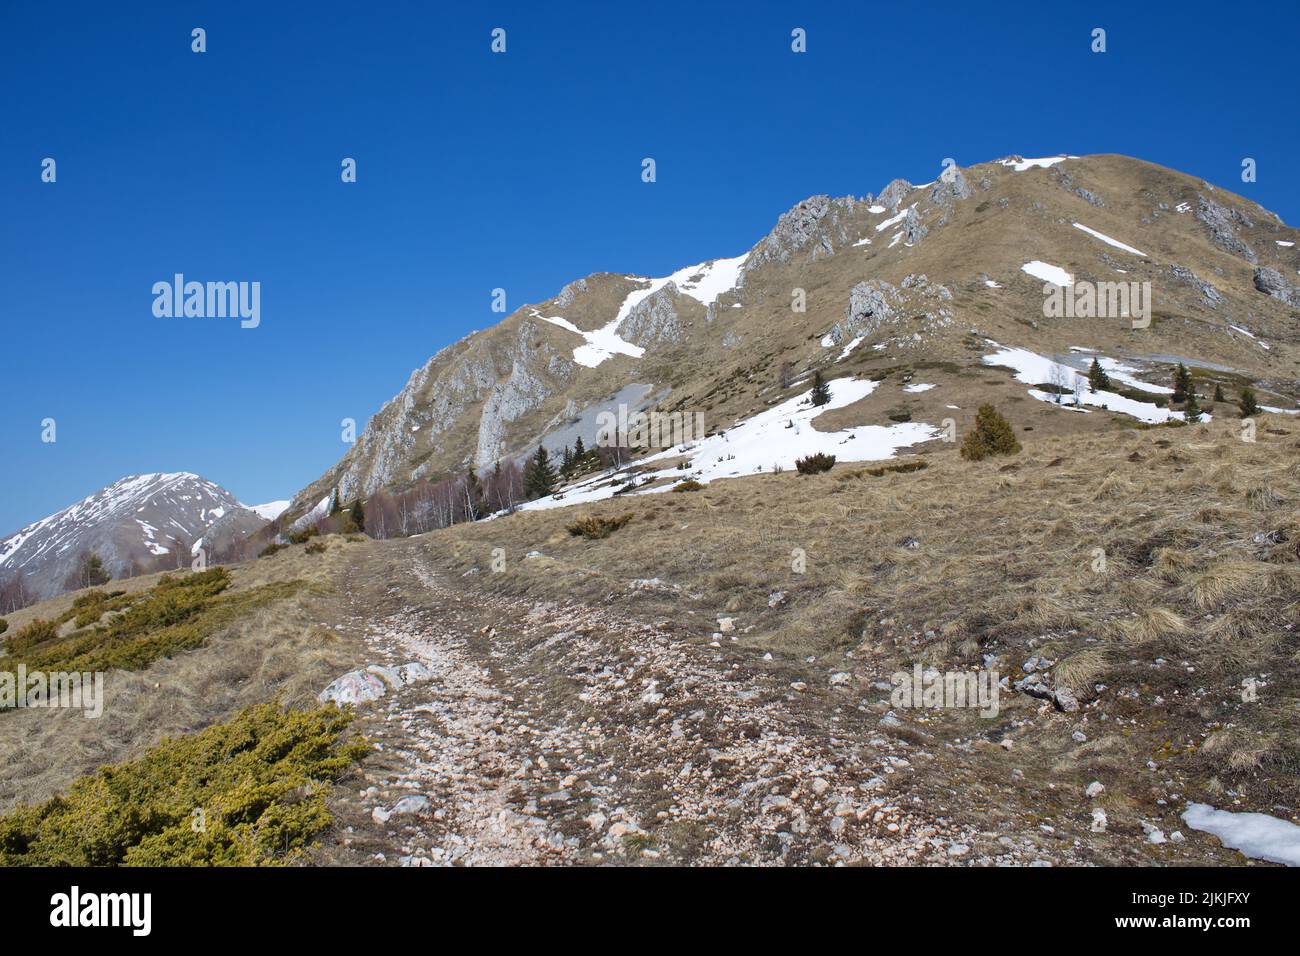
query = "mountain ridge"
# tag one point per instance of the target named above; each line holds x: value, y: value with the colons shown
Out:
x: 500, y: 391
x: 136, y: 524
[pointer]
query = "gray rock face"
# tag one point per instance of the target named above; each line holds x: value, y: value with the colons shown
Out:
x: 520, y: 393
x: 1222, y: 223
x: 1209, y: 294
x: 432, y: 401
x: 870, y: 306
x: 950, y: 187
x: 654, y: 320
x: 1273, y: 283
x: 1066, y: 181
x: 569, y: 292
x: 817, y: 221
x: 894, y: 193
x: 913, y: 229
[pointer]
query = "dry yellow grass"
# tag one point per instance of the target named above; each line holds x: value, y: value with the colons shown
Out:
x: 1097, y: 550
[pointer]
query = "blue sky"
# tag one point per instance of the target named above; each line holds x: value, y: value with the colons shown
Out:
x: 478, y: 171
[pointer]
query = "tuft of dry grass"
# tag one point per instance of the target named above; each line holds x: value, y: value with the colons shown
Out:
x: 1229, y: 580
x: 1082, y: 669
x: 1153, y: 624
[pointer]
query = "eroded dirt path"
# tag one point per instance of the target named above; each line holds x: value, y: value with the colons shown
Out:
x: 568, y: 734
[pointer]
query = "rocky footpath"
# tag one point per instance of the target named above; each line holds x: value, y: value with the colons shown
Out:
x: 508, y: 732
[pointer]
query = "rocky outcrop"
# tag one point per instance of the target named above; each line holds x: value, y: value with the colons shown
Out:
x: 1066, y: 181
x: 1222, y: 223
x: 654, y: 320
x: 521, y: 392
x: 894, y: 193
x: 1209, y: 294
x: 569, y: 292
x: 916, y: 307
x: 950, y: 187
x: 913, y: 229
x: 818, y: 221
x: 1273, y: 283
x: 871, y: 305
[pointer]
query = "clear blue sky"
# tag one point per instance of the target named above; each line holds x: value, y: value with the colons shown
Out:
x: 478, y: 170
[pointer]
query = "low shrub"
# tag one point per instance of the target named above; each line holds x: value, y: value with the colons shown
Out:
x: 259, y: 781
x: 690, y: 484
x: 992, y: 435
x: 814, y: 464
x: 176, y: 614
x: 593, y: 527
x: 302, y: 535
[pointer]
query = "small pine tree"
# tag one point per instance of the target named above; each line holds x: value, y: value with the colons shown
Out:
x: 1191, y: 410
x: 1218, y: 393
x: 566, y: 462
x: 1098, y: 380
x: 539, y: 475
x: 821, y: 392
x: 1249, y: 407
x: 1182, y: 384
x: 358, y: 515
x: 992, y: 435
x: 579, y: 450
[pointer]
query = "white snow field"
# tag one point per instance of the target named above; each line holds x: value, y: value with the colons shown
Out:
x: 1034, y: 369
x: 704, y: 281
x: 1048, y: 273
x: 1108, y: 240
x: 271, y: 510
x: 1256, y: 835
x: 1021, y: 165
x: 773, y: 438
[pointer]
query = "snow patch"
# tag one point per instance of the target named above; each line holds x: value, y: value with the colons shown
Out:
x: 1048, y: 273
x: 1020, y: 165
x: 1256, y: 835
x: 772, y: 438
x: 1034, y: 369
x: 1108, y: 240
x: 270, y: 511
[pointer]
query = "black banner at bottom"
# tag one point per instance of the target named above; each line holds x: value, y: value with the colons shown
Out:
x: 336, y: 905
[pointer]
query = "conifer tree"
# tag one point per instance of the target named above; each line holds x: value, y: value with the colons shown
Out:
x: 1218, y: 393
x: 1191, y: 409
x: 359, y: 515
x: 1182, y: 383
x: 1098, y: 380
x: 539, y: 475
x: 821, y: 392
x: 1249, y: 407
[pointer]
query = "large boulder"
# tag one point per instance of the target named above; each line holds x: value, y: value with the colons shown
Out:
x: 1271, y: 282
x: 354, y: 687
